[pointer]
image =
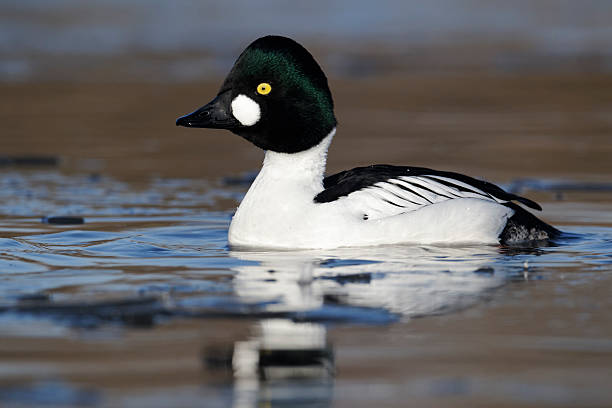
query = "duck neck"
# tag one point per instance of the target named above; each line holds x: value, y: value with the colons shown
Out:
x: 305, y: 167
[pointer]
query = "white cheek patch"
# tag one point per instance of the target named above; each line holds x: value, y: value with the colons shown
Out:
x: 246, y: 110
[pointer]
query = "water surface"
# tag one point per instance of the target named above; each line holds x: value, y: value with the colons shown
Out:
x: 148, y: 279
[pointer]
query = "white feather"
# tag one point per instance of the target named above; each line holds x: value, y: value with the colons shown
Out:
x: 246, y: 110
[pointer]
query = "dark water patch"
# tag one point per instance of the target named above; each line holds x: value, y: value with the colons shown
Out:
x: 63, y: 220
x: 333, y: 263
x: 146, y: 310
x: 351, y: 278
x: 485, y: 270
x: 33, y: 297
x: 133, y: 312
x: 223, y: 307
x: 49, y: 394
x: 28, y: 161
x: 293, y: 358
x: 331, y: 313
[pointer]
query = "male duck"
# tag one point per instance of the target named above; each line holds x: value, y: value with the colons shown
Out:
x: 276, y: 96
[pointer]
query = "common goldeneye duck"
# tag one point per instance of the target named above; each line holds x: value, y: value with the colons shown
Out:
x: 276, y: 96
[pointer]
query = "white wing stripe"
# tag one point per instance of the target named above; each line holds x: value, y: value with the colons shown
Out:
x: 404, y: 194
x: 411, y: 192
x: 432, y: 186
x: 425, y: 193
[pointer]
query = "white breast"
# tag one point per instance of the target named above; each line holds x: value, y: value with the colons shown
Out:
x: 277, y: 209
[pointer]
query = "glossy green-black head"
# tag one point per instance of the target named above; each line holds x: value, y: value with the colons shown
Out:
x: 276, y: 96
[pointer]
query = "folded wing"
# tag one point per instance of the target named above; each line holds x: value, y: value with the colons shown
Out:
x: 380, y: 191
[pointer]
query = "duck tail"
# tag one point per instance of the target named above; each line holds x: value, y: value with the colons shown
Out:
x: 525, y: 227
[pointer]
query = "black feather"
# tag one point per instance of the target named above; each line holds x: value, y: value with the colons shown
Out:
x: 348, y: 181
x: 525, y: 227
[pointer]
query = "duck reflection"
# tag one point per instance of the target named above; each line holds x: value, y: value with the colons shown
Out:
x: 284, y: 349
x: 283, y: 363
x: 408, y: 281
x: 288, y: 361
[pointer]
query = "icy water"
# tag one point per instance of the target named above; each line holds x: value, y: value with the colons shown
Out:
x: 144, y: 304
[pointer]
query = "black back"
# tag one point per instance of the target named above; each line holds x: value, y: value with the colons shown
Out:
x: 348, y: 181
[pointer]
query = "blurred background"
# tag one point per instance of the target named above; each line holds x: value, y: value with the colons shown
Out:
x: 190, y: 40
x: 499, y: 89
x: 142, y: 303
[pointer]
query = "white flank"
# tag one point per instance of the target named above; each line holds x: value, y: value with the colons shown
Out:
x: 279, y: 211
x: 246, y: 110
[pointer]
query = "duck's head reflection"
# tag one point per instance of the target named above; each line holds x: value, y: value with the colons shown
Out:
x: 281, y: 349
x: 405, y: 280
x: 283, y: 363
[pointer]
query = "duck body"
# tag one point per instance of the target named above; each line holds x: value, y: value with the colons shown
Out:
x: 277, y: 97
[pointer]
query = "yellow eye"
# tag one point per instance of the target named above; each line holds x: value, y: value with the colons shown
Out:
x: 264, y: 88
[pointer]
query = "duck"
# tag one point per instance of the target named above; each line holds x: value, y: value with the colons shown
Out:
x: 277, y: 97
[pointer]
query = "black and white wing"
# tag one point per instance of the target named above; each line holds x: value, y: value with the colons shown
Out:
x: 380, y: 191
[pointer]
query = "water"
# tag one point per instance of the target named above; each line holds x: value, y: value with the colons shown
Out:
x: 150, y: 268
x: 180, y: 254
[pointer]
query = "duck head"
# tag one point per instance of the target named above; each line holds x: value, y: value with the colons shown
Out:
x: 276, y: 96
